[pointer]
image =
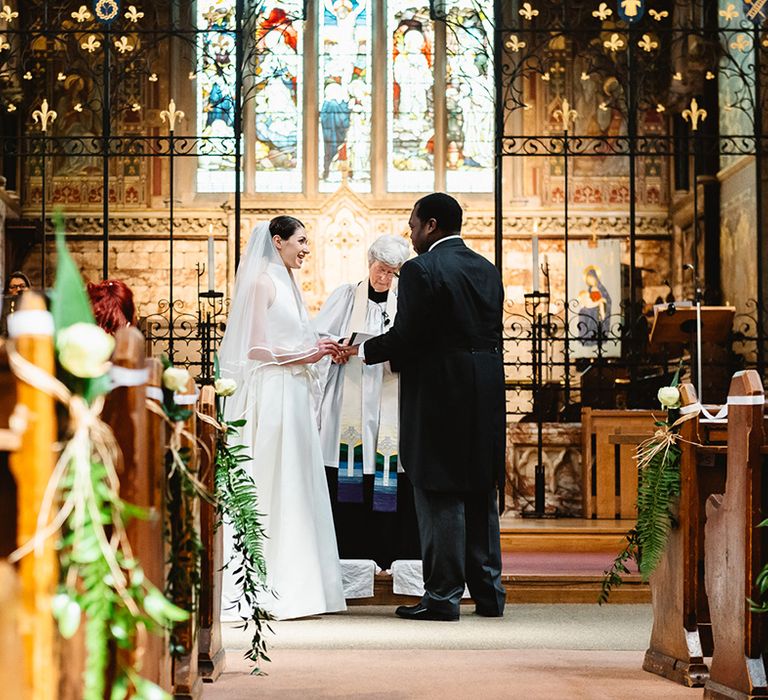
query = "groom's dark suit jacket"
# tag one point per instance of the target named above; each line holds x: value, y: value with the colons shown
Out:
x: 446, y: 343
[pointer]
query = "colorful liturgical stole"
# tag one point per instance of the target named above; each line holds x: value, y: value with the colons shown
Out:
x: 351, y: 434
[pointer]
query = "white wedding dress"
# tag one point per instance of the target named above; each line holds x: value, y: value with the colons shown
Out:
x: 281, y: 435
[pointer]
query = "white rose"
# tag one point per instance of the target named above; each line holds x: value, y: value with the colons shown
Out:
x: 669, y: 397
x: 175, y: 379
x: 225, y: 387
x: 84, y: 349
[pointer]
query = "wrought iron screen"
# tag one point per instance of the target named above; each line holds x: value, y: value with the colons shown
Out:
x: 612, y: 119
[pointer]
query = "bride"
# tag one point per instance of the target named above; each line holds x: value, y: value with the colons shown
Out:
x: 270, y: 348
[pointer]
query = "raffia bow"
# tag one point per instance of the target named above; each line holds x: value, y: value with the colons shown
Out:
x: 175, y: 446
x: 91, y: 439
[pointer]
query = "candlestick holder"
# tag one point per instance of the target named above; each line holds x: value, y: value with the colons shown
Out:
x: 210, y: 309
x: 537, y: 309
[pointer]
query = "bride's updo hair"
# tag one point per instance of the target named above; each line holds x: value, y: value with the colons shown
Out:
x: 284, y: 226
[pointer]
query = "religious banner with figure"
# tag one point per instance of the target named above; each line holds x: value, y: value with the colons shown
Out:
x: 594, y: 296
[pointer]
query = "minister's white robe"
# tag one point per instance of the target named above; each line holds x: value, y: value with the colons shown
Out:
x: 333, y: 321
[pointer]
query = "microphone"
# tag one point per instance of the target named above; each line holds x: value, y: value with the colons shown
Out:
x: 671, y: 309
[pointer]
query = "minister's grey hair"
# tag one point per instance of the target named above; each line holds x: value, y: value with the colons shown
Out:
x: 391, y: 250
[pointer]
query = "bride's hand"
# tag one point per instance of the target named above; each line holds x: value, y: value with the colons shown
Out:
x: 325, y: 346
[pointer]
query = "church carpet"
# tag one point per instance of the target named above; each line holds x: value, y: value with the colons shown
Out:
x: 535, y: 652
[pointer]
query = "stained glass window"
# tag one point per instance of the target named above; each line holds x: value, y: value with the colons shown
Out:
x: 344, y: 40
x: 469, y: 96
x: 215, y: 95
x: 278, y: 97
x: 411, y: 122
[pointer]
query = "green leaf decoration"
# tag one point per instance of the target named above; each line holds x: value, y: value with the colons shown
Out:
x: 237, y: 505
x: 69, y: 301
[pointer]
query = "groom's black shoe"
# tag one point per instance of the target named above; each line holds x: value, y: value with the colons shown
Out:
x: 422, y: 612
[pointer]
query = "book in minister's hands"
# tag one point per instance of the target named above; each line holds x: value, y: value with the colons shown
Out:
x: 359, y: 338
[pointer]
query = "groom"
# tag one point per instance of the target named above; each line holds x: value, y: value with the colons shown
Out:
x: 446, y: 343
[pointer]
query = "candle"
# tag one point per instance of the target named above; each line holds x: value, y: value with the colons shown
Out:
x: 211, y: 263
x: 535, y: 266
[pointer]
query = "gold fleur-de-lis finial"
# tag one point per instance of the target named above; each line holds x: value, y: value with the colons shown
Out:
x: 694, y: 114
x: 91, y: 44
x: 658, y: 16
x: 527, y: 11
x: 603, y: 12
x: 514, y: 44
x: 44, y: 115
x: 648, y: 44
x: 742, y: 43
x: 584, y: 76
x: 660, y: 107
x: 82, y: 14
x: 565, y: 114
x: 631, y: 7
x: 614, y: 43
x: 8, y: 14
x: 132, y: 14
x: 729, y: 12
x: 123, y: 45
x: 171, y: 114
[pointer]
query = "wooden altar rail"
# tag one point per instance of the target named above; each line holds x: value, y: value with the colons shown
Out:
x: 735, y: 550
x: 28, y: 638
x: 609, y: 468
x: 681, y: 637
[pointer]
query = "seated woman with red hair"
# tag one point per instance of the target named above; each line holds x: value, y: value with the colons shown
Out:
x: 112, y: 302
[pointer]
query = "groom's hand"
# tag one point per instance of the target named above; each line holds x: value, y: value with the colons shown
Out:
x: 345, y: 353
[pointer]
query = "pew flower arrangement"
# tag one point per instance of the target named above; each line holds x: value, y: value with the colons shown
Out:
x: 658, y: 464
x: 237, y: 506
x: 102, y: 582
x: 183, y: 578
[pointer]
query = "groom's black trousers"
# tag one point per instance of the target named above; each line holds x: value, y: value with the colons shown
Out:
x: 460, y: 544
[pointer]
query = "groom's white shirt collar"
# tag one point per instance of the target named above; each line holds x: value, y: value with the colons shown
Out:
x: 440, y: 240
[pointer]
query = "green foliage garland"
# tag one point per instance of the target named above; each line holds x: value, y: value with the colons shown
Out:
x: 237, y: 505
x: 101, y: 580
x: 658, y: 491
x: 183, y: 578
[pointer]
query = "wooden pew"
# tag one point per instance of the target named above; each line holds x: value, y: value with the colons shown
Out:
x: 211, y: 659
x: 186, y: 680
x: 604, y: 457
x: 735, y: 550
x: 156, y: 441
x: 26, y: 466
x: 11, y: 657
x: 682, y: 636
x: 141, y: 476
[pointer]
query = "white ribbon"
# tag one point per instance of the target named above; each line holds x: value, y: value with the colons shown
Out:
x: 32, y: 322
x: 155, y: 393
x: 722, y: 415
x: 126, y: 376
x: 186, y: 399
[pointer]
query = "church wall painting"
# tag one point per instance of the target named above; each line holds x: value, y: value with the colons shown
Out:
x: 594, y: 291
x: 345, y: 42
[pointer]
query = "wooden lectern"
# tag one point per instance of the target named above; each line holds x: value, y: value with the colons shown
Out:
x: 693, y: 325
x: 680, y: 326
